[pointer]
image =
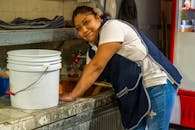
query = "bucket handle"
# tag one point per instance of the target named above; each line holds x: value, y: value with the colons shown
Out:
x: 33, y: 83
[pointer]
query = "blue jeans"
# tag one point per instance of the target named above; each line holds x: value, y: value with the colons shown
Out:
x: 162, y: 99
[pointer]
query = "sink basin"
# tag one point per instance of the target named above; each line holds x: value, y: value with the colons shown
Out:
x: 68, y: 84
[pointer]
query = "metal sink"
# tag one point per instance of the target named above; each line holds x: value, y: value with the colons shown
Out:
x: 68, y: 84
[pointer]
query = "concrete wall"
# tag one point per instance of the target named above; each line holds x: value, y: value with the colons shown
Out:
x: 30, y: 9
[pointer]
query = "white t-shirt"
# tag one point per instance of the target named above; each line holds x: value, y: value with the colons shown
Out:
x: 133, y: 49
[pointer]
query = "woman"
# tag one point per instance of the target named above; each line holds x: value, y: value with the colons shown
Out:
x: 144, y: 80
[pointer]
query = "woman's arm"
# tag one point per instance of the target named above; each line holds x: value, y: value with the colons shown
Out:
x: 93, y: 70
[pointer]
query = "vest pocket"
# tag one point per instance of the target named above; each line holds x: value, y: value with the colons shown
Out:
x: 128, y: 89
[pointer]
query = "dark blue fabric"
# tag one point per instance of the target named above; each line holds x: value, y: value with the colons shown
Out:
x: 39, y: 23
x: 161, y: 59
x: 134, y: 104
x: 4, y: 85
x: 121, y: 73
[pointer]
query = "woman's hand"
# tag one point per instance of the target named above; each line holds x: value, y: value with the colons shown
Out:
x: 67, y: 97
x: 93, y: 70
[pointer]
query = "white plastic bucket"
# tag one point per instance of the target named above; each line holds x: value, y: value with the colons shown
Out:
x: 34, y: 78
x: 34, y: 63
x: 34, y: 55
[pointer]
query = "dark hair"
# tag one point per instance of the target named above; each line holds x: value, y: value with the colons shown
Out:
x: 82, y: 9
x: 87, y: 9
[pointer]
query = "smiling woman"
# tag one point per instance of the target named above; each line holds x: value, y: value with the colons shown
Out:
x: 144, y: 80
x: 87, y: 26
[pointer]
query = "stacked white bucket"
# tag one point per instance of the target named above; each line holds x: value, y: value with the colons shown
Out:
x: 34, y: 78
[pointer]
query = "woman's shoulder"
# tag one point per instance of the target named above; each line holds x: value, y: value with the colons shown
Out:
x: 113, y: 21
x: 116, y: 22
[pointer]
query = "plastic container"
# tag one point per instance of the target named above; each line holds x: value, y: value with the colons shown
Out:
x: 34, y: 78
x: 186, y: 28
x: 38, y: 55
x: 4, y: 85
x: 186, y: 22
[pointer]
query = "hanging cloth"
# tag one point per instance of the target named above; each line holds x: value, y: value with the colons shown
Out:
x: 39, y: 23
x: 128, y: 12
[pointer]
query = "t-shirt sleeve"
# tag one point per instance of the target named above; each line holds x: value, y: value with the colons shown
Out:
x: 111, y: 32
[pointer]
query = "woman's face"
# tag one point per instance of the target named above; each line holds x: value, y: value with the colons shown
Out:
x: 87, y: 26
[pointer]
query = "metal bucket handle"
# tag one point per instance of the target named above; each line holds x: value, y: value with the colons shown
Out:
x: 30, y: 86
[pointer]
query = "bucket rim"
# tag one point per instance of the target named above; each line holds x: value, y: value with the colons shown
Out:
x: 28, y: 68
x: 35, y: 60
x: 32, y: 52
x: 32, y: 63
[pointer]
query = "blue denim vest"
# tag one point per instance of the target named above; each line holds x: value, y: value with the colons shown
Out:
x: 126, y: 79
